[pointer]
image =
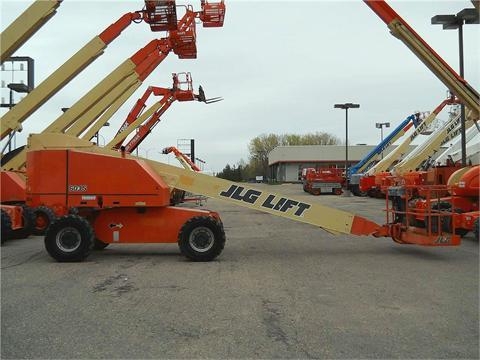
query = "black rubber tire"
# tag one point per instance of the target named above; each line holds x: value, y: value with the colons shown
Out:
x: 47, y: 217
x: 6, y: 227
x: 69, y: 238
x: 99, y: 244
x: 28, y: 220
x: 201, y: 238
x: 315, y: 192
x: 476, y: 228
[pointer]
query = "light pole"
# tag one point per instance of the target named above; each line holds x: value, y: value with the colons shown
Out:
x: 380, y: 126
x: 452, y: 22
x: 97, y: 134
x: 346, y: 106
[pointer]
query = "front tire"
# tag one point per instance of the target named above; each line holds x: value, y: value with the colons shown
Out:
x: 69, y: 238
x: 201, y: 238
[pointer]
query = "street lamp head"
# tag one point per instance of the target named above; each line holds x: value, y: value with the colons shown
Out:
x: 448, y: 21
x: 19, y: 87
x: 452, y: 22
x: 381, y: 125
x: 346, y: 106
x: 470, y: 16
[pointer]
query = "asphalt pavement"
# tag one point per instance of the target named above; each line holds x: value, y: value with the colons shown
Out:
x: 280, y: 289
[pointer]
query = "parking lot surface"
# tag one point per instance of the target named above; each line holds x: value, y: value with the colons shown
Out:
x: 280, y: 289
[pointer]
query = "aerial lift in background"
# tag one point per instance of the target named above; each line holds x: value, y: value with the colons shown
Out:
x: 356, y: 171
x: 318, y: 181
x: 454, y: 82
x: 372, y: 181
x: 12, y: 120
x: 452, y: 154
x: 17, y: 221
x: 142, y: 122
x: 323, y: 181
x: 464, y: 182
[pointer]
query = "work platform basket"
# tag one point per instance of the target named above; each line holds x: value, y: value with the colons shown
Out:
x: 161, y: 15
x: 213, y: 14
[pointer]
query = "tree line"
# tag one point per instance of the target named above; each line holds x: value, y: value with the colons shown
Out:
x: 259, y: 148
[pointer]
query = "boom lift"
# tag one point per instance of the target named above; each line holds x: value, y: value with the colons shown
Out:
x: 372, y: 181
x: 186, y: 162
x: 179, y: 196
x: 25, y: 26
x: 403, y: 196
x: 151, y: 117
x: 356, y: 171
x: 452, y: 154
x: 425, y: 151
x: 454, y: 82
x: 122, y: 82
x: 111, y: 210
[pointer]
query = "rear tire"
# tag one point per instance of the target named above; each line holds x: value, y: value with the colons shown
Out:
x: 44, y: 216
x: 28, y: 220
x: 201, y: 238
x: 69, y: 238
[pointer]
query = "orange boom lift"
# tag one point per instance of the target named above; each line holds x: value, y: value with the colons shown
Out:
x: 104, y: 99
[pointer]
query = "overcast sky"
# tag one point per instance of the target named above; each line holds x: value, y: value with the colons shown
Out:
x: 281, y: 66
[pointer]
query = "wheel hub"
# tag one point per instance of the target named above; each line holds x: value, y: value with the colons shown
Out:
x: 201, y: 239
x: 68, y: 239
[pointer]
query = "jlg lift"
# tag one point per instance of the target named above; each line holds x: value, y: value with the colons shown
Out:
x: 109, y: 209
x: 110, y: 93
